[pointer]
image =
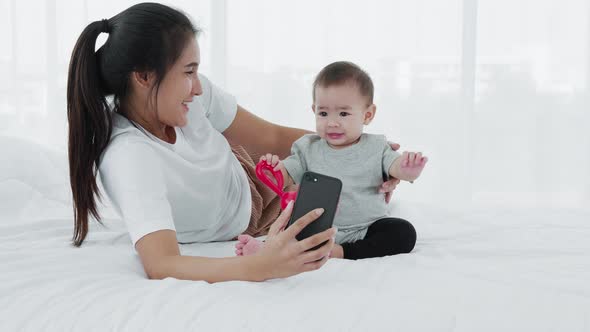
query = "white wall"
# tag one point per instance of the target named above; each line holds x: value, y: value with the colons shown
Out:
x: 495, y: 92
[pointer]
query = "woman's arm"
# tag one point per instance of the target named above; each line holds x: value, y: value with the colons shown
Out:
x: 259, y: 136
x: 161, y: 259
x: 282, y: 256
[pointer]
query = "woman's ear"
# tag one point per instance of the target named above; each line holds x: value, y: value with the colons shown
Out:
x: 143, y: 79
x: 369, y: 114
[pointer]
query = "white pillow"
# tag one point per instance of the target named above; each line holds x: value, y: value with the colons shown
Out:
x: 34, y: 181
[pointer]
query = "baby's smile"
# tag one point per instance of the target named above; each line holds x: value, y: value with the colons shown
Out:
x: 335, y: 135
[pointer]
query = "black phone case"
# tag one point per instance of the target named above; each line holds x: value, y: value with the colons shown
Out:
x: 316, y: 191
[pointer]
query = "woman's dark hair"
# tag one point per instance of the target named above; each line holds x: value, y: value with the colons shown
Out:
x: 147, y: 37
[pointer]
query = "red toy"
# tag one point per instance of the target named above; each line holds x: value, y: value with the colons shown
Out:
x: 286, y: 196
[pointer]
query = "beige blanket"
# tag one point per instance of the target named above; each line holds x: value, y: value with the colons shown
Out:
x: 266, y: 205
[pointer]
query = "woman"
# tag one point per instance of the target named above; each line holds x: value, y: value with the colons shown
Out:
x: 161, y: 148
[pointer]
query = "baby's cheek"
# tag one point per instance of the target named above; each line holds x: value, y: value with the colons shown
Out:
x: 319, y: 128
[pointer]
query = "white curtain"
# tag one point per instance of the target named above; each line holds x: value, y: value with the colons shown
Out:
x: 495, y: 92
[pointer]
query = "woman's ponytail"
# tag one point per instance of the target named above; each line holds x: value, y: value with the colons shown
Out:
x: 89, y: 121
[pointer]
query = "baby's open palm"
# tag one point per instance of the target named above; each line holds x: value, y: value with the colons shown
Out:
x: 412, y: 164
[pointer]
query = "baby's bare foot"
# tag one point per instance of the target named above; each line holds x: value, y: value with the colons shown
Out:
x: 247, y: 245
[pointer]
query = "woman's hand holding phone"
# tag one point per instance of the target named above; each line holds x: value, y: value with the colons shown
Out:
x: 283, y: 255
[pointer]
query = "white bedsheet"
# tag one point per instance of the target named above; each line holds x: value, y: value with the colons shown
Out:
x: 503, y: 270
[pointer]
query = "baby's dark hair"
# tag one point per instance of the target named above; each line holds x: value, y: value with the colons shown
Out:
x: 341, y: 72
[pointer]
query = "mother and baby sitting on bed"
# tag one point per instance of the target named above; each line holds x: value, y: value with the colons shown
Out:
x: 176, y: 156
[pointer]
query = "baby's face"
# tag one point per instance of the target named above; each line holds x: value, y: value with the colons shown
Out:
x: 340, y: 113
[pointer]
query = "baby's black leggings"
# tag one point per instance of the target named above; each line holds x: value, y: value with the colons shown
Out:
x: 387, y: 236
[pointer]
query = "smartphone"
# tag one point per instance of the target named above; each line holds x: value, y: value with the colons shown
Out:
x: 316, y: 191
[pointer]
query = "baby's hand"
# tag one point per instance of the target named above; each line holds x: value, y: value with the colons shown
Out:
x: 273, y: 160
x: 412, y: 164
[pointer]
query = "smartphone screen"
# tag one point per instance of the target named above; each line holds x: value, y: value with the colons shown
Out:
x: 316, y: 191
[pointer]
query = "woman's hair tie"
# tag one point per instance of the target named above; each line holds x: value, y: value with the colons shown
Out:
x: 105, y: 26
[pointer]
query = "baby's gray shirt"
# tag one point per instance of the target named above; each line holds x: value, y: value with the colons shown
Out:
x: 361, y: 167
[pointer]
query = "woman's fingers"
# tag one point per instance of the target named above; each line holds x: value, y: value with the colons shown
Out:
x: 388, y: 197
x: 300, y: 224
x: 394, y: 146
x: 317, y: 239
x: 312, y: 266
x: 281, y: 221
x: 289, y: 256
x: 321, y: 252
x: 389, y: 185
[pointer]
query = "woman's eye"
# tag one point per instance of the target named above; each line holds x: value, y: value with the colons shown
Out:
x: 190, y: 72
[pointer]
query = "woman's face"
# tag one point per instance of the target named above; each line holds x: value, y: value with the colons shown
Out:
x: 179, y: 86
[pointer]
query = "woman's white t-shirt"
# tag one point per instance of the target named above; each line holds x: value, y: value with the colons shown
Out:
x: 195, y: 186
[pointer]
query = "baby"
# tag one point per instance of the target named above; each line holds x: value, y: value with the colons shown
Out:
x: 343, y: 105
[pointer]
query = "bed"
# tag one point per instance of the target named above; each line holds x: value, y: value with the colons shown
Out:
x: 476, y: 270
